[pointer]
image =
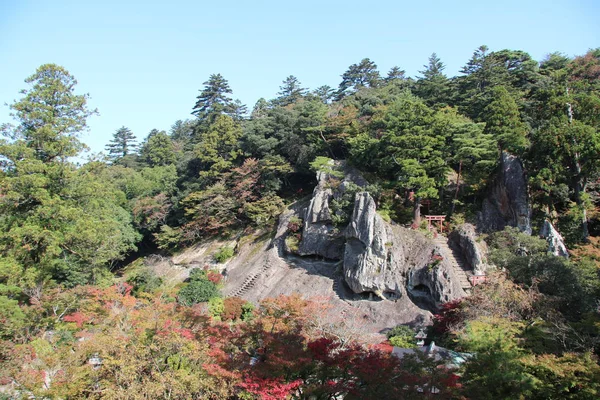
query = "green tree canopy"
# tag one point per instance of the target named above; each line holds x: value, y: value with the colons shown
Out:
x: 290, y: 92
x: 122, y: 143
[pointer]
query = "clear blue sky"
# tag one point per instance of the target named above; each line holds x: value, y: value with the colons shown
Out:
x: 143, y: 62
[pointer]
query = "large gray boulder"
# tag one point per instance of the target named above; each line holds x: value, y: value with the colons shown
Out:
x: 556, y: 244
x: 393, y: 261
x: 319, y: 235
x: 474, y: 252
x: 507, y: 202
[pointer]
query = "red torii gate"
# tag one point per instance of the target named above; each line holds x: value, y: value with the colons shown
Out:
x: 432, y: 218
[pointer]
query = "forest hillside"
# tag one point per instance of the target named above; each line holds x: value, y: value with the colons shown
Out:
x: 284, y: 250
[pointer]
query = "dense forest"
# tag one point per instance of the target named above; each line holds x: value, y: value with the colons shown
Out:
x: 71, y: 290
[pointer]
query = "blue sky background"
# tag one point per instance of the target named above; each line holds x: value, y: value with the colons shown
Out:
x: 143, y: 62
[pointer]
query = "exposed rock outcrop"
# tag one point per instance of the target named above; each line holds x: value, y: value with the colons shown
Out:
x: 556, y: 244
x: 319, y: 235
x: 392, y: 260
x: 474, y: 253
x: 507, y: 202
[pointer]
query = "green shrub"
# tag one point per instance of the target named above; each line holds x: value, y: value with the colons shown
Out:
x: 292, y: 243
x: 223, y: 254
x: 326, y: 165
x: 247, y: 311
x: 216, y: 307
x: 199, y: 290
x: 144, y: 280
x: 402, y: 336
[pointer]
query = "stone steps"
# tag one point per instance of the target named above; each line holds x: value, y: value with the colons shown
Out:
x: 458, y: 266
x: 248, y: 283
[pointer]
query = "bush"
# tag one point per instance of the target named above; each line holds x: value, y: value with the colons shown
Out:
x: 234, y: 309
x: 402, y: 336
x: 216, y: 307
x: 199, y: 290
x: 144, y: 280
x: 223, y: 254
x: 247, y: 311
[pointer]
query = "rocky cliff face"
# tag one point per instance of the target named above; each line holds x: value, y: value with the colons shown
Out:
x: 393, y: 261
x: 507, y: 202
x: 474, y: 252
x: 556, y: 245
x: 319, y: 235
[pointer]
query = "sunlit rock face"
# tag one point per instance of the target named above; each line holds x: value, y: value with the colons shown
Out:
x: 556, y: 244
x: 319, y: 235
x: 393, y: 261
x: 507, y: 203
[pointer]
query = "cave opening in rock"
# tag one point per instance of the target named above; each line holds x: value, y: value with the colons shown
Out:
x: 421, y: 290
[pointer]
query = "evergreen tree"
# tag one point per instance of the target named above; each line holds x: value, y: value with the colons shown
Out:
x: 52, y: 116
x: 503, y: 121
x: 182, y: 130
x: 515, y: 70
x: 361, y: 75
x: 56, y: 221
x: 412, y: 152
x: 434, y: 86
x: 213, y: 99
x: 238, y: 110
x: 325, y: 93
x: 219, y: 147
x: 158, y: 149
x: 395, y: 74
x: 122, y: 144
x: 290, y: 92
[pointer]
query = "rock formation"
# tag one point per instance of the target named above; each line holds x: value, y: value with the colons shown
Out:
x: 474, y: 253
x: 393, y: 261
x: 556, y: 245
x: 319, y: 235
x: 507, y: 202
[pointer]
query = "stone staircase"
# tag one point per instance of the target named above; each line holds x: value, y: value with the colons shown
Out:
x: 461, y: 270
x: 248, y: 283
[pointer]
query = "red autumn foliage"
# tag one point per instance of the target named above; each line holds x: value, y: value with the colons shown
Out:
x: 270, y: 388
x: 448, y: 317
x: 78, y: 317
x: 214, y: 277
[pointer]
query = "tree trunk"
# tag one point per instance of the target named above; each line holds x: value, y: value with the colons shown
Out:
x: 580, y: 185
x: 580, y: 188
x: 457, y: 187
x: 417, y: 212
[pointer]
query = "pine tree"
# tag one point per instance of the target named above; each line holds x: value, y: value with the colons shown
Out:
x: 290, y: 92
x: 122, y: 144
x: 361, y: 75
x: 325, y: 93
x: 395, y: 74
x: 213, y: 100
x: 434, y: 86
